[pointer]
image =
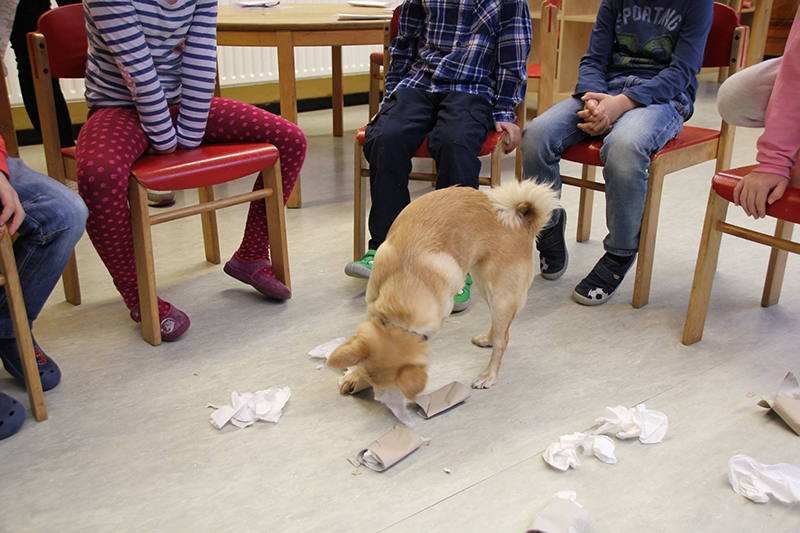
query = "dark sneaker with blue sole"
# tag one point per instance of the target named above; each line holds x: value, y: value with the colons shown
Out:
x: 552, y: 246
x: 603, y: 281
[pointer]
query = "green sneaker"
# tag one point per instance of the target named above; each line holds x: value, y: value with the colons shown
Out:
x: 462, y: 297
x: 363, y: 267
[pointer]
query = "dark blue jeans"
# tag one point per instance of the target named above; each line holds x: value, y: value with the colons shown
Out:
x: 54, y: 221
x: 457, y: 125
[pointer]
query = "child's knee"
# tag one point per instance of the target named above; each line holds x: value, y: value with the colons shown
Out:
x: 735, y: 106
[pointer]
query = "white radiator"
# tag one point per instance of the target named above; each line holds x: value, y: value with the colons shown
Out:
x: 242, y: 65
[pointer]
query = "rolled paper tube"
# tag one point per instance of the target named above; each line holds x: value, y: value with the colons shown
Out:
x: 443, y: 399
x: 389, y: 449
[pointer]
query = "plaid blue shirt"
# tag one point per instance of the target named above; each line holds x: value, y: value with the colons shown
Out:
x: 474, y: 46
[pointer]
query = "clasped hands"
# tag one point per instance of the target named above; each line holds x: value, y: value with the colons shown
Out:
x: 601, y: 111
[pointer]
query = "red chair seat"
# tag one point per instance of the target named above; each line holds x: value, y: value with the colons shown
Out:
x: 534, y: 71
x: 588, y: 152
x: 488, y: 146
x: 376, y: 58
x: 787, y: 208
x: 210, y: 164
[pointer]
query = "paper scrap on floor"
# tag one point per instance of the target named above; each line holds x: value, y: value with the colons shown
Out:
x: 626, y: 423
x: 757, y: 482
x: 256, y: 3
x: 356, y: 386
x: 396, y: 402
x: 563, y: 514
x: 563, y: 455
x: 324, y: 351
x: 443, y: 399
x: 245, y: 409
x: 787, y: 403
x: 390, y: 448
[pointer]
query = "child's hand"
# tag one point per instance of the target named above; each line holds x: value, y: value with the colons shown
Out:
x: 756, y: 190
x: 591, y: 111
x: 612, y: 107
x: 513, y: 134
x: 12, y: 208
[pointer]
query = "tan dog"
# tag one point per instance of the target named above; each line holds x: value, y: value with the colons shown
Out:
x: 431, y: 246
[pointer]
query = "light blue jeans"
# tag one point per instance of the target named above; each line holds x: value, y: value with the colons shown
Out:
x: 626, y: 152
x: 53, y: 224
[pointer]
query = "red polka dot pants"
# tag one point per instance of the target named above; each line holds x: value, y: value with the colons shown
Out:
x: 112, y: 140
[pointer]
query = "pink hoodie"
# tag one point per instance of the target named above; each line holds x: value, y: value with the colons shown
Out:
x: 778, y: 146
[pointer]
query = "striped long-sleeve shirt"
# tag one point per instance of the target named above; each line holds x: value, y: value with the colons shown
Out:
x: 151, y: 54
x: 475, y: 46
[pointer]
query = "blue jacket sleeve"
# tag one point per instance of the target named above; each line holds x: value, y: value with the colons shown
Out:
x: 594, y: 65
x: 403, y: 50
x: 513, y: 47
x: 686, y: 60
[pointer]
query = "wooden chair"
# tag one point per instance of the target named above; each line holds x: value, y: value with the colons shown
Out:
x: 786, y: 211
x: 543, y: 86
x: 494, y: 146
x: 379, y: 63
x: 9, y: 279
x: 692, y: 146
x: 58, y: 50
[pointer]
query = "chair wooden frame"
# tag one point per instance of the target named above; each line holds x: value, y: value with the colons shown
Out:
x: 61, y: 166
x: 662, y: 163
x: 10, y: 278
x: 547, y: 53
x: 714, y: 227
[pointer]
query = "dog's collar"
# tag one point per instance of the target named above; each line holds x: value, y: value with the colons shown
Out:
x: 410, y: 331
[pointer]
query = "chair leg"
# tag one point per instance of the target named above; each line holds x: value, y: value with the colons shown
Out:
x: 647, y: 237
x: 704, y: 271
x: 210, y: 232
x: 522, y: 119
x: 496, y: 173
x: 19, y: 319
x: 588, y: 173
x: 276, y: 225
x: 374, y: 89
x: 359, y: 207
x: 777, y: 266
x: 145, y: 268
x: 72, y: 283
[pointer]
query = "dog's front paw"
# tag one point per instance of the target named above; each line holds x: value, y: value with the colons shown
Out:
x: 484, y: 381
x: 482, y: 340
x: 349, y: 383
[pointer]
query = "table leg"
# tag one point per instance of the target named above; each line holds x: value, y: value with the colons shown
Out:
x: 288, y: 90
x: 338, y: 92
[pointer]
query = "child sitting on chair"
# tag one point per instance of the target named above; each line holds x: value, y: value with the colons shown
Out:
x: 150, y: 85
x: 457, y: 70
x: 636, y: 87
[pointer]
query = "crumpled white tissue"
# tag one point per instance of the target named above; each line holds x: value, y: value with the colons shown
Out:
x: 323, y: 351
x: 756, y: 481
x: 372, y: 461
x: 649, y: 425
x: 396, y: 402
x: 562, y: 514
x: 246, y: 408
x: 563, y: 454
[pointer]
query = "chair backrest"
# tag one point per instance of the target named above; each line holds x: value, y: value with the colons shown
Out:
x: 395, y: 22
x: 723, y: 37
x: 7, y: 120
x: 64, y: 29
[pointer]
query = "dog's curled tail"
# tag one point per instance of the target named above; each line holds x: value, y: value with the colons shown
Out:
x: 524, y: 203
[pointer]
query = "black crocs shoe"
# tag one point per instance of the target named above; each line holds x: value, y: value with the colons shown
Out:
x: 552, y: 246
x: 49, y: 372
x: 604, y: 279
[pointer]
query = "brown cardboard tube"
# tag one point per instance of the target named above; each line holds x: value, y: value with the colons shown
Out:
x: 390, y: 448
x: 443, y: 399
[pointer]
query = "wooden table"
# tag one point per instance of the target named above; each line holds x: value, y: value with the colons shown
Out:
x: 290, y: 25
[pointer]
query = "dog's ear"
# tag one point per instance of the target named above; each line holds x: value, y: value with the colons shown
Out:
x: 349, y: 353
x: 411, y: 380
